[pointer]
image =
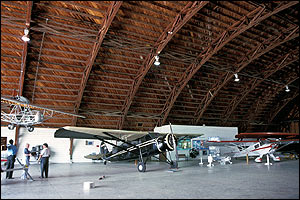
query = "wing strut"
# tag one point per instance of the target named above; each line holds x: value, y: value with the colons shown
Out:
x: 97, y: 137
x: 116, y: 138
x: 174, y: 164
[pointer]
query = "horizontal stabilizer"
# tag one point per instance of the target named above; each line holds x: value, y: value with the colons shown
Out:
x: 95, y: 157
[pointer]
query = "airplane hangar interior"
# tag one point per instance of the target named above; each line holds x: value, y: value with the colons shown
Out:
x: 149, y: 100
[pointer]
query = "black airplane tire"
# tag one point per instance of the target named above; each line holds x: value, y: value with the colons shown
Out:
x: 11, y: 126
x: 30, y: 128
x: 141, y: 167
x: 104, y: 162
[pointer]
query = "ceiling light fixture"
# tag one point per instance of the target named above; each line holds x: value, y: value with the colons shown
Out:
x: 236, y: 78
x: 25, y: 37
x: 156, y: 61
x: 287, y: 88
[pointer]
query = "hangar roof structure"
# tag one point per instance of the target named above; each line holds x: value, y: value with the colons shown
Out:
x: 100, y: 59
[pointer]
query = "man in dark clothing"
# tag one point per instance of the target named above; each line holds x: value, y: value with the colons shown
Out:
x: 11, y: 157
x: 44, y: 157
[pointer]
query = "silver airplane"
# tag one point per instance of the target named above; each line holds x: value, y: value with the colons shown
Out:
x: 18, y: 111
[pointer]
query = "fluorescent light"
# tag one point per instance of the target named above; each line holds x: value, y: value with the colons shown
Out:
x: 287, y: 88
x: 236, y: 78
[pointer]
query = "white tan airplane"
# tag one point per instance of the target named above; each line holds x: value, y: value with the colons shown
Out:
x: 253, y: 148
x: 18, y: 111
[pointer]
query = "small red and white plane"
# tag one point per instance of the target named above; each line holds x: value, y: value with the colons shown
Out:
x: 266, y: 144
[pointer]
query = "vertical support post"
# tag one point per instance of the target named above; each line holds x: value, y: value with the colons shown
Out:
x: 71, y: 150
x: 175, y: 148
x: 268, y: 160
x: 247, y: 159
x: 17, y: 135
x: 23, y: 63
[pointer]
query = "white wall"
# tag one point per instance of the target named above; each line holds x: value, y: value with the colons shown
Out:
x: 59, y: 146
x: 225, y: 133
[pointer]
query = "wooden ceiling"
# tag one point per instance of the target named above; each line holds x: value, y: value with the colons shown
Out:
x: 96, y: 58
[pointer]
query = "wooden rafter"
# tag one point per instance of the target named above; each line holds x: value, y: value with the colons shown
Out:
x: 253, y: 54
x: 280, y: 105
x: 25, y: 46
x: 108, y: 18
x: 180, y: 20
x: 23, y: 64
x: 261, y: 102
x: 253, y: 18
x: 278, y: 64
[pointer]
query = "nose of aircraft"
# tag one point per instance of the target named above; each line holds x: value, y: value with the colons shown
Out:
x: 169, y: 140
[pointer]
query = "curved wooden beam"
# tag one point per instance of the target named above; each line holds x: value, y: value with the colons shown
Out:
x: 278, y: 64
x: 108, y: 18
x: 261, y: 102
x: 251, y: 19
x: 23, y: 64
x: 280, y: 105
x: 25, y: 46
x: 264, y: 47
x: 180, y: 20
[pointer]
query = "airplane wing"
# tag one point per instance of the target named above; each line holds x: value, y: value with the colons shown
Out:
x: 259, y: 136
x: 93, y: 133
x: 31, y: 106
x: 267, y: 135
x: 229, y: 143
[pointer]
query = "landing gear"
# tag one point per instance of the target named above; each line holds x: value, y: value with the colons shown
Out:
x: 11, y: 126
x: 30, y: 128
x: 141, y: 167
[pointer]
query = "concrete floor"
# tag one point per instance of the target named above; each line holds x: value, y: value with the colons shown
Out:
x: 239, y: 180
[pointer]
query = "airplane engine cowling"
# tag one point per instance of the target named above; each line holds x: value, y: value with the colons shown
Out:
x: 166, y: 143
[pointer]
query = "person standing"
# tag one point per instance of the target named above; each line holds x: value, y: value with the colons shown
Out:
x: 11, y: 158
x: 44, y: 158
x: 27, y: 154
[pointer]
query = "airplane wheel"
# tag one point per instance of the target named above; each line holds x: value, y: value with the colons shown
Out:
x: 141, y: 167
x: 11, y: 126
x: 104, y: 162
x: 30, y: 128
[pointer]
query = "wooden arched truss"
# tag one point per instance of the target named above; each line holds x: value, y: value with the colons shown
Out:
x: 278, y: 64
x: 183, y: 17
x: 108, y: 18
x: 24, y: 53
x: 254, y: 17
x: 253, y: 54
x: 96, y: 58
x: 262, y: 101
x: 279, y: 106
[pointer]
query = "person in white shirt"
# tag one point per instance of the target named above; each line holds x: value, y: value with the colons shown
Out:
x: 44, y: 157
